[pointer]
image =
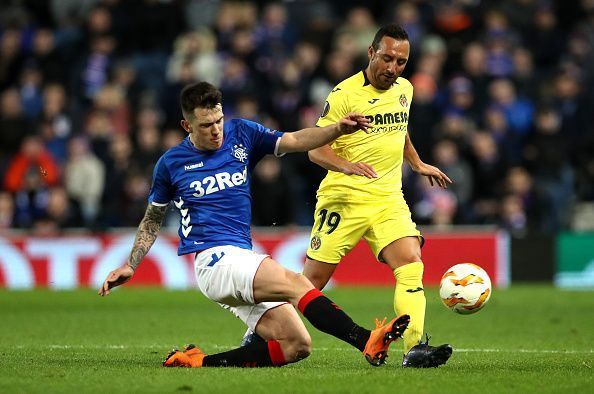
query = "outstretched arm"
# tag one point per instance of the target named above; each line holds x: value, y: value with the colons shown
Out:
x: 326, y: 158
x: 145, y: 237
x: 314, y: 137
x: 417, y: 165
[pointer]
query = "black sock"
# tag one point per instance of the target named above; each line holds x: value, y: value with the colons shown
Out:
x: 254, y: 355
x: 327, y: 317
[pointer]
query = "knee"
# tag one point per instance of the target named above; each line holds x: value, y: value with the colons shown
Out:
x: 412, y: 255
x: 299, y: 282
x: 297, y: 348
x: 402, y: 252
x: 407, y: 257
x: 303, y: 348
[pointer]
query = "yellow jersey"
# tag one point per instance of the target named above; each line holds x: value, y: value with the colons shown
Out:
x: 381, y: 146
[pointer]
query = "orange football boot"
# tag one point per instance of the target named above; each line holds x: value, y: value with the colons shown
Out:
x: 191, y: 357
x: 376, y: 349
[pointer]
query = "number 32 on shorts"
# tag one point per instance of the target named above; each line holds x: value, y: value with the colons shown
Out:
x: 329, y: 220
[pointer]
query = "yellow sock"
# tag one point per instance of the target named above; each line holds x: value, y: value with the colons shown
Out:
x: 409, y: 298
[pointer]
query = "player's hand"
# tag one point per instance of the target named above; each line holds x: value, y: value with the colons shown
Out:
x: 360, y: 168
x: 352, y: 122
x: 433, y: 173
x: 115, y: 278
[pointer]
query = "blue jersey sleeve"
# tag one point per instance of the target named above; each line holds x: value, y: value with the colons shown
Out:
x: 264, y: 141
x: 161, y: 189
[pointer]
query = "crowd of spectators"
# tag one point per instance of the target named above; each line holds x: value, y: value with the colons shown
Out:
x: 503, y: 102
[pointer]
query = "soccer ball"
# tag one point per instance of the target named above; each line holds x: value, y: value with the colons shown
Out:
x: 465, y: 288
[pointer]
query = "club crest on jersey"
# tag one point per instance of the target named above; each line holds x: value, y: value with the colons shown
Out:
x: 403, y: 100
x: 239, y: 152
x: 316, y: 242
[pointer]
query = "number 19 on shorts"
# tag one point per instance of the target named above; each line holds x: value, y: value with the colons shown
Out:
x: 328, y: 221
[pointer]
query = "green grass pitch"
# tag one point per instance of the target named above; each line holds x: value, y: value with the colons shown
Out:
x: 527, y: 339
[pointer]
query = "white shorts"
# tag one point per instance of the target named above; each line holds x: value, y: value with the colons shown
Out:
x: 225, y: 274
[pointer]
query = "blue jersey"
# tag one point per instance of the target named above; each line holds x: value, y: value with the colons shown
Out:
x: 211, y: 189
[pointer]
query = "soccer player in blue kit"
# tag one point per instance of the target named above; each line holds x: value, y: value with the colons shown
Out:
x: 207, y: 177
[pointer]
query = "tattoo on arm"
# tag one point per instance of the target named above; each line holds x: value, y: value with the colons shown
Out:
x: 147, y: 233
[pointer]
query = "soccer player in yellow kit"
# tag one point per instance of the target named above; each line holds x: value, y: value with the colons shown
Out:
x: 361, y: 197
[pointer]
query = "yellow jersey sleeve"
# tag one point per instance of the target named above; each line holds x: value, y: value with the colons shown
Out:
x: 335, y: 107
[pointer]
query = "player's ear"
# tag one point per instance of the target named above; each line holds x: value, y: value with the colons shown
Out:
x: 186, y: 125
x: 370, y: 52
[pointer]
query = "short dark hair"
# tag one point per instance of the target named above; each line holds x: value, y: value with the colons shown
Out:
x: 393, y: 30
x: 200, y: 94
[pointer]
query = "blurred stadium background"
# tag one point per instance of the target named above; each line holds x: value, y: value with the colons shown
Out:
x: 504, y: 104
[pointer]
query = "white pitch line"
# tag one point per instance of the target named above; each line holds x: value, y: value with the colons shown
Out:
x: 525, y: 351
x: 321, y: 349
x: 457, y: 350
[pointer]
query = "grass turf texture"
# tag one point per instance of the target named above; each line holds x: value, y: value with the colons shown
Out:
x: 527, y: 339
